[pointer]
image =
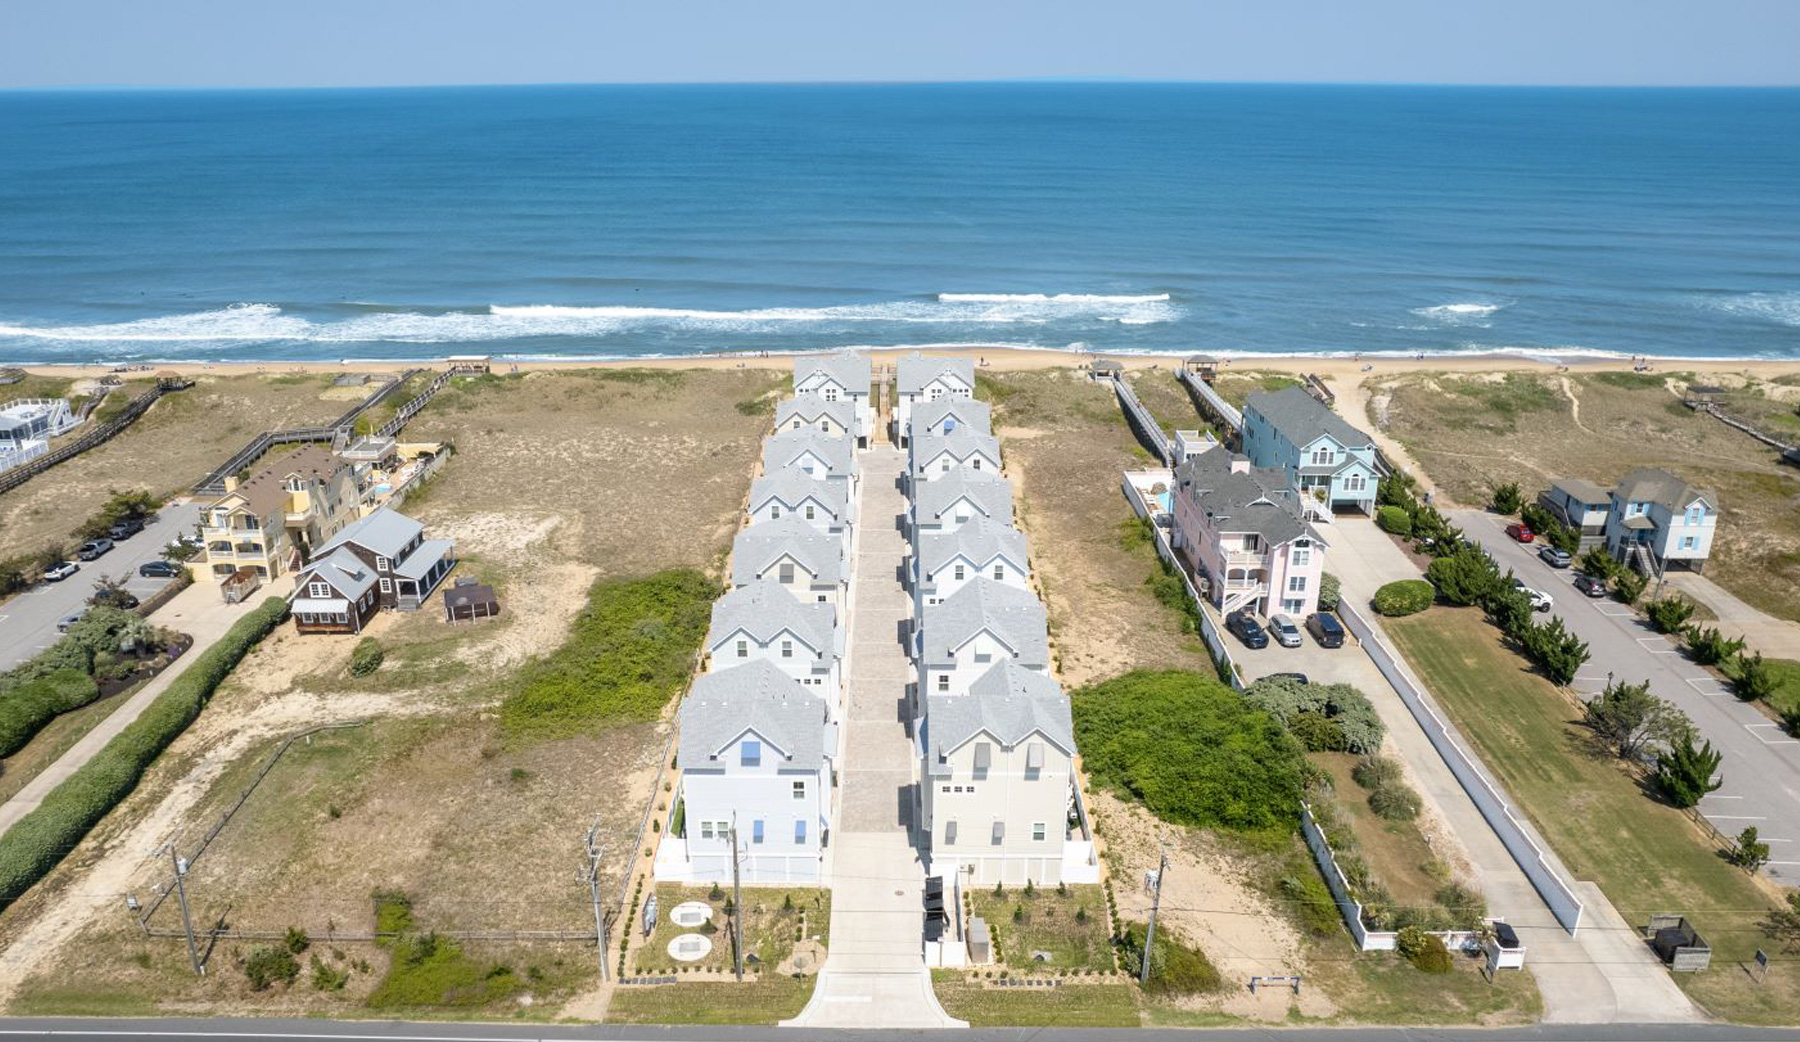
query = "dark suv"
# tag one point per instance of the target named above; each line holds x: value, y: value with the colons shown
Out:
x: 1326, y: 629
x: 126, y: 528
x: 1247, y: 629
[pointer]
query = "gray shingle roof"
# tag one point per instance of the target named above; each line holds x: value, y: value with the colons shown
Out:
x: 980, y: 541
x: 1006, y: 702
x: 385, y: 533
x: 346, y: 572
x: 422, y: 560
x: 960, y: 443
x: 1301, y: 419
x: 809, y: 407
x: 1580, y: 490
x: 765, y: 608
x: 1257, y: 500
x: 1655, y: 485
x: 968, y: 411
x: 990, y: 493
x: 848, y: 368
x: 757, y: 697
x: 1012, y: 615
x: 914, y: 371
x: 758, y: 547
x: 791, y: 488
x: 781, y: 449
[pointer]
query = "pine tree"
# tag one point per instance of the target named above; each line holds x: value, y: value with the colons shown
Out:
x: 1685, y: 774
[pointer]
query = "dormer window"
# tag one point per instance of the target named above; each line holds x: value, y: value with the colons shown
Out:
x: 318, y: 589
x: 750, y: 753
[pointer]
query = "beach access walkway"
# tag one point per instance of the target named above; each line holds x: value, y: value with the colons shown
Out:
x: 874, y: 973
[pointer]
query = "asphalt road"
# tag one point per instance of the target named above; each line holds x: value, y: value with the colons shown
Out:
x: 28, y: 621
x: 244, y: 1030
x: 1761, y: 769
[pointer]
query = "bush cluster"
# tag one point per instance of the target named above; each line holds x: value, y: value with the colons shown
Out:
x: 1176, y: 968
x: 1404, y: 597
x: 1323, y: 717
x: 39, y: 840
x: 1389, y: 795
x: 1192, y: 750
x: 1430, y: 531
x: 1549, y: 529
x: 367, y: 657
x: 269, y: 965
x: 1425, y: 951
x: 26, y: 708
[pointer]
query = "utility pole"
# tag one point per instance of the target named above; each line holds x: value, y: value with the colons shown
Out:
x: 595, y: 850
x: 187, y: 923
x: 1162, y: 867
x: 737, y: 906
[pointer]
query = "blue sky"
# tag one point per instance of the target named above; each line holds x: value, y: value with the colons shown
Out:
x: 334, y: 43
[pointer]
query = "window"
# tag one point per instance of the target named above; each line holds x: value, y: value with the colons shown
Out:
x: 774, y: 511
x: 830, y: 394
x: 809, y: 511
x: 1355, y: 482
x: 950, y: 833
x: 1293, y: 607
x: 1296, y: 584
x: 1323, y: 457
x: 821, y: 598
x: 1034, y: 760
x: 799, y: 831
x: 1301, y: 555
x: 387, y: 585
x: 381, y: 564
x: 786, y: 572
x: 1037, y: 832
x: 999, y: 831
x: 1688, y: 542
x: 787, y: 649
x: 318, y: 590
x: 943, y: 683
x: 706, y: 830
x: 959, y: 573
x: 944, y: 467
x: 750, y: 753
x: 975, y: 461
x: 961, y: 517
x: 1695, y: 513
x: 743, y: 649
x: 799, y: 790
x: 999, y: 572
x: 984, y: 758
x: 756, y: 831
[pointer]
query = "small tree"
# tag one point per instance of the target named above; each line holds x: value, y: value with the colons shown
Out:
x: 1628, y: 585
x: 1465, y: 576
x: 1754, y: 680
x: 1630, y: 719
x: 1559, y: 653
x: 366, y: 658
x: 1783, y: 925
x: 1330, y: 592
x: 296, y: 940
x: 269, y: 965
x: 1566, y: 539
x: 1669, y: 614
x: 1509, y: 608
x: 1394, y: 519
x: 1750, y: 853
x: 1507, y: 498
x: 1708, y: 646
x: 1599, y: 564
x: 1684, y: 773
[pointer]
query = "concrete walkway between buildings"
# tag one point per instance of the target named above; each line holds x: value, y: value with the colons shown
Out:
x: 1603, y: 974
x: 197, y: 611
x: 874, y: 973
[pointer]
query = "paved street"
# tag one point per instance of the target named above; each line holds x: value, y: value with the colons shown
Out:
x: 28, y: 621
x: 1762, y: 763
x: 874, y: 970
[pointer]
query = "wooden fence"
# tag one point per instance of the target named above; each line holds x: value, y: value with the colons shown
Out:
x: 1141, y: 421
x: 1222, y: 410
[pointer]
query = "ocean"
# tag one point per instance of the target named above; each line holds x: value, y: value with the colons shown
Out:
x: 597, y: 222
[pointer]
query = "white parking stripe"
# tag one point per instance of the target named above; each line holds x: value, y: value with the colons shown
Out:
x: 1756, y: 728
x: 1626, y: 614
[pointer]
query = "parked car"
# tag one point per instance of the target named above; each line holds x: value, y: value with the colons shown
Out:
x: 1326, y: 629
x: 63, y: 624
x: 1286, y: 633
x: 127, y: 528
x: 93, y: 548
x: 115, y: 599
x: 158, y: 570
x: 1520, y: 532
x: 1555, y: 556
x: 61, y: 570
x: 1298, y: 678
x: 1589, y: 585
x: 1540, y: 601
x: 1247, y: 629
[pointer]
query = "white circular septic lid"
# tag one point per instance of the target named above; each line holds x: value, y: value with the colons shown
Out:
x: 690, y: 913
x: 690, y: 947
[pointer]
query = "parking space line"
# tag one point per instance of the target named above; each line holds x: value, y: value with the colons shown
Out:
x: 1754, y: 728
x: 1697, y: 682
x: 1626, y: 614
x: 1740, y: 817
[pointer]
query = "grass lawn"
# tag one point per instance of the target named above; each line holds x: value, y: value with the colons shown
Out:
x: 1786, y: 699
x: 1396, y: 851
x: 767, y: 1000
x: 1047, y: 922
x: 1068, y: 1006
x: 1646, y: 856
x: 1389, y: 990
x: 770, y: 926
x: 1236, y: 386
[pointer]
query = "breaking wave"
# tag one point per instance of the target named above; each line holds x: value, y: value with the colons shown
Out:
x: 1780, y: 308
x: 1458, y: 314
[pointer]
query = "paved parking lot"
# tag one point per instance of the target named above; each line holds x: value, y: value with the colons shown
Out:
x: 28, y: 621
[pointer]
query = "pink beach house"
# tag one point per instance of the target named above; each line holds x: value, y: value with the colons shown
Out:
x: 1241, y: 531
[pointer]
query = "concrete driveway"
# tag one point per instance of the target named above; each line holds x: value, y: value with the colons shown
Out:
x: 1762, y: 763
x: 28, y: 621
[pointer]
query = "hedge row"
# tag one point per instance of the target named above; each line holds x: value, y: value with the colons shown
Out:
x: 33, y: 846
x: 31, y: 705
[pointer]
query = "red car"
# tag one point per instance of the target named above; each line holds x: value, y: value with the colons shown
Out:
x: 1520, y: 532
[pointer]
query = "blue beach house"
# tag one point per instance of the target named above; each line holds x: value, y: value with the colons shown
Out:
x: 1327, y: 461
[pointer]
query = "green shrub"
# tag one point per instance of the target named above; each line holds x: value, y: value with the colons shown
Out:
x: 1669, y: 614
x: 1465, y: 576
x: 1628, y: 586
x: 324, y: 978
x: 41, y: 838
x: 393, y: 913
x: 1394, y: 519
x: 1175, y: 967
x: 1425, y: 951
x: 296, y: 940
x: 1311, y: 900
x: 1330, y: 592
x: 1507, y: 498
x: 1468, y: 909
x: 1353, y: 723
x: 1685, y: 774
x: 1372, y: 772
x: 367, y: 657
x: 26, y: 708
x: 1317, y: 732
x: 1191, y: 749
x: 432, y: 971
x: 1395, y: 801
x: 630, y: 651
x: 1708, y: 647
x: 1404, y: 597
x: 269, y: 965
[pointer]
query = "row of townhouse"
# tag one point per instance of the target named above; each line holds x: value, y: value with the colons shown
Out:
x: 997, y: 797
x: 760, y: 728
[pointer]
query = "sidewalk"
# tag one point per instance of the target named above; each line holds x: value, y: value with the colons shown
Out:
x: 197, y: 611
x: 874, y: 973
x: 1601, y: 975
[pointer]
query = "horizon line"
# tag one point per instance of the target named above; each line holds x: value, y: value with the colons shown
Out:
x: 1097, y: 80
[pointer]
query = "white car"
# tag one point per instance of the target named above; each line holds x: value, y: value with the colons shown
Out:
x: 1286, y: 632
x: 1540, y: 601
x: 61, y: 570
